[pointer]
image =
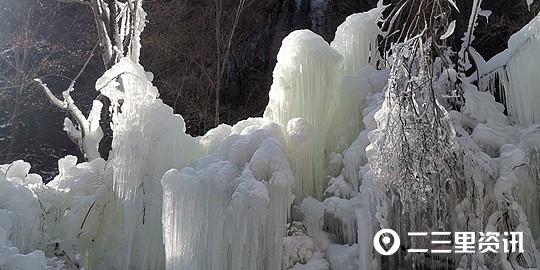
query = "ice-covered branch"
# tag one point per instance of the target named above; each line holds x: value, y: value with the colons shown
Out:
x: 89, y: 133
x: 101, y: 16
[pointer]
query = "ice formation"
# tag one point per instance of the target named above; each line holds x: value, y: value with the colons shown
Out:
x: 304, y: 187
x: 512, y: 72
x: 306, y: 77
x: 511, y: 76
x: 310, y: 84
x: 228, y: 210
x: 356, y: 40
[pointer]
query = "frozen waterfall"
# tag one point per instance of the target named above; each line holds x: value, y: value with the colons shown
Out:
x: 308, y: 185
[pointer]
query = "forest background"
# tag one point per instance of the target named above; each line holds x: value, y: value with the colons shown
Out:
x: 212, y: 59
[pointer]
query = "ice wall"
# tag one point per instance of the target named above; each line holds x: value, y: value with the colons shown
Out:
x: 357, y: 40
x: 523, y: 85
x: 222, y: 201
x: 106, y: 215
x: 227, y: 209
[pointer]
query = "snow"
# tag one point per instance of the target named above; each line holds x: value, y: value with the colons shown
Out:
x: 298, y: 248
x: 32, y: 261
x: 512, y: 72
x: 317, y: 262
x: 343, y: 257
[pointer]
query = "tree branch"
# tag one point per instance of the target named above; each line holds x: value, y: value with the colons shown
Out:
x: 87, y: 138
x: 55, y: 101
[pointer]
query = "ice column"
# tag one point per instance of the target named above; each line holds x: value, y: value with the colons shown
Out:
x: 148, y: 140
x: 309, y: 89
x: 306, y: 77
x: 357, y: 40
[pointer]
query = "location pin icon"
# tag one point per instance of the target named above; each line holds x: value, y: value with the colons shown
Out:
x: 382, y: 242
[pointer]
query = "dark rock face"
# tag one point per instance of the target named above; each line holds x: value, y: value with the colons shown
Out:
x: 255, y: 44
x: 179, y: 46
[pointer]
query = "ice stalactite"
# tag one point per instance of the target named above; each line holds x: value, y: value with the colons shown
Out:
x: 356, y: 40
x: 229, y: 210
x: 350, y: 130
x: 495, y: 82
x: 523, y: 91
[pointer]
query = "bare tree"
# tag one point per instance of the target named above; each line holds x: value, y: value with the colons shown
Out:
x: 25, y: 54
x: 194, y: 61
x: 119, y: 25
x: 224, y: 44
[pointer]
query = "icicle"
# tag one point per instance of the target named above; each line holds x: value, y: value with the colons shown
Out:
x: 515, y: 69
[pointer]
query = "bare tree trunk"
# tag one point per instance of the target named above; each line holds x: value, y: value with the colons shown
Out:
x: 219, y: 58
x: 224, y: 46
x: 13, y: 149
x: 14, y: 105
x: 119, y: 26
